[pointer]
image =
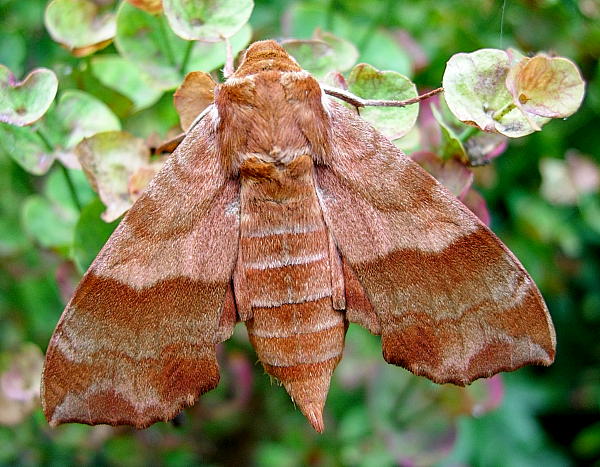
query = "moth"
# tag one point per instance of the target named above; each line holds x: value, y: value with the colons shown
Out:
x: 283, y: 209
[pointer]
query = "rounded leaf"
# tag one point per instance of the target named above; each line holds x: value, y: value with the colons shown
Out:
x: 323, y: 54
x: 207, y: 20
x: 475, y: 91
x: 49, y: 223
x: 83, y: 115
x: 143, y: 40
x: 149, y: 43
x: 109, y: 159
x: 24, y: 102
x: 383, y: 50
x: 193, y: 96
x: 546, y: 86
x: 369, y: 83
x: 26, y: 148
x: 79, y: 25
x: 125, y: 77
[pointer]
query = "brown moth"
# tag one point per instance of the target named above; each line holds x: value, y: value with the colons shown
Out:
x: 283, y: 209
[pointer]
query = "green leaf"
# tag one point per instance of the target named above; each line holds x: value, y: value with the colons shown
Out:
x: 155, y: 120
x: 147, y: 41
x: 125, y: 77
x: 24, y: 102
x: 82, y: 115
x: 207, y: 20
x: 79, y: 25
x: 384, y: 52
x: 91, y: 233
x: 109, y: 159
x: 13, y: 51
x: 476, y: 93
x: 322, y: 54
x: 369, y: 83
x: 451, y: 146
x: 26, y: 148
x: 50, y: 224
x: 210, y: 56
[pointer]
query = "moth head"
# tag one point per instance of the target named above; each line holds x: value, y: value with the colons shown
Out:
x: 265, y: 56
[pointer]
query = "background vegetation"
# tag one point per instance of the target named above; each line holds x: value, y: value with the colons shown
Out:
x: 542, y: 194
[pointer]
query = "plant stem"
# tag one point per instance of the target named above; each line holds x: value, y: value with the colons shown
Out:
x: 167, y: 45
x: 503, y: 111
x: 468, y: 133
x: 71, y: 186
x: 357, y: 101
x: 186, y: 57
x: 65, y: 171
x: 329, y: 15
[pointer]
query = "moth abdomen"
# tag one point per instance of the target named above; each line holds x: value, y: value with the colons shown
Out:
x: 283, y: 280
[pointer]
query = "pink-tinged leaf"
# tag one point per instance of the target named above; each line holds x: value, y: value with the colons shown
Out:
x: 476, y: 93
x: 493, y: 395
x: 477, y: 205
x: 565, y: 181
x: 418, y: 56
x: 193, y: 96
x: 24, y: 102
x: 20, y: 383
x: 450, y: 173
x: 109, y: 159
x: 546, y: 86
x: 484, y: 147
x: 67, y: 278
x: 336, y: 80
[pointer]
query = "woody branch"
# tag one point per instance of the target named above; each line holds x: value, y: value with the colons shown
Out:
x: 360, y: 102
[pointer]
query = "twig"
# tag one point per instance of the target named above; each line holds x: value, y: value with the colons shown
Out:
x: 66, y: 174
x: 228, y: 68
x: 360, y: 102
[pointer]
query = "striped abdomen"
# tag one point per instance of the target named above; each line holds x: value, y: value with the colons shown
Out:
x: 283, y: 281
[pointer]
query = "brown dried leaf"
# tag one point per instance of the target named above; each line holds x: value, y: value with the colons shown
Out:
x: 193, y: 96
x: 109, y: 159
x: 151, y: 6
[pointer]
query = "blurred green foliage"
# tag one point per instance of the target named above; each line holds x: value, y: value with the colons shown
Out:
x: 376, y: 414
